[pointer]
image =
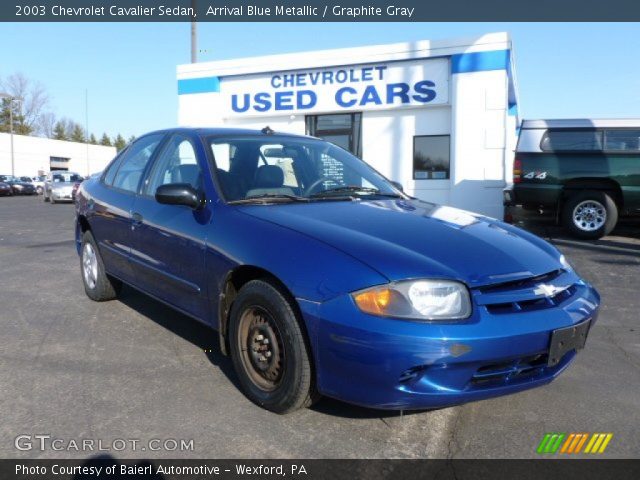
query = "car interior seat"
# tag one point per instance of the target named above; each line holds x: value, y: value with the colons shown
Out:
x: 269, y: 180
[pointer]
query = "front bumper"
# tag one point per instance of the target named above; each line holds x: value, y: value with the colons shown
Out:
x: 62, y: 195
x: 396, y: 364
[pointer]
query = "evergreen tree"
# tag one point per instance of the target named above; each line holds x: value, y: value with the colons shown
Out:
x: 105, y: 140
x: 10, y: 111
x: 59, y: 131
x: 119, y: 142
x: 131, y: 139
x: 93, y: 140
x: 77, y: 134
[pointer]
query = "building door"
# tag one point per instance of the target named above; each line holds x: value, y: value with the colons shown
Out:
x: 344, y: 130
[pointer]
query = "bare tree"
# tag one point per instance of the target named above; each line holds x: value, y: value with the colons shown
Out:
x: 46, y: 124
x: 35, y: 99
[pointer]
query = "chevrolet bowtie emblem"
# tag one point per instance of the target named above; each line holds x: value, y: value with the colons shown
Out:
x: 547, y: 290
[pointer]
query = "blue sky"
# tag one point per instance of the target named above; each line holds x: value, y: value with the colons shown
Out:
x: 564, y: 70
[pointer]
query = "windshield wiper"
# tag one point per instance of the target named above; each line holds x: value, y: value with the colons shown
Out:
x: 354, y: 189
x: 270, y: 198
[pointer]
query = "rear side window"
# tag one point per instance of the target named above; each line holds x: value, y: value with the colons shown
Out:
x: 134, y: 162
x: 571, y: 140
x: 622, y: 140
x: 112, y: 169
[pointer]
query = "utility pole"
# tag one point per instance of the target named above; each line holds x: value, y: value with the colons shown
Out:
x: 194, y: 35
x: 86, y: 126
x: 11, y: 99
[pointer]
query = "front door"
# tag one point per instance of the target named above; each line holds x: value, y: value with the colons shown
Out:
x: 169, y: 241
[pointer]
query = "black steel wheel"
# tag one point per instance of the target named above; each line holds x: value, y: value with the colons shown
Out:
x: 269, y: 349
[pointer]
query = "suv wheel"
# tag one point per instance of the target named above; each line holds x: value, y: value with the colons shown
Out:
x: 268, y: 349
x: 590, y: 214
x: 97, y: 284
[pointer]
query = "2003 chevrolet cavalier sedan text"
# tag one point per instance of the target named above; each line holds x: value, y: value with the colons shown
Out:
x: 322, y: 277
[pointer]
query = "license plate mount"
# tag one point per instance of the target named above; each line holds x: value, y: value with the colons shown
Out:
x: 565, y: 339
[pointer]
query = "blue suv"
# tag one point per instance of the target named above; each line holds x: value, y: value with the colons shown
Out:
x: 323, y: 278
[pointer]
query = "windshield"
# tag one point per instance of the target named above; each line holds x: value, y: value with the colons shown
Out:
x: 66, y: 177
x: 293, y: 169
x: 7, y: 178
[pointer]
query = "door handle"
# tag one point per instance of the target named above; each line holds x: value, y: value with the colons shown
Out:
x: 137, y: 219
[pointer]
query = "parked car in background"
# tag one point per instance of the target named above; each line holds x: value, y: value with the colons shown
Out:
x: 322, y: 277
x: 58, y: 186
x: 585, y: 173
x: 5, y: 189
x: 18, y: 187
x: 39, y: 183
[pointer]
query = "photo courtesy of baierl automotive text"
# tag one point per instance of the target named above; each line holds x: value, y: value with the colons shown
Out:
x: 378, y: 240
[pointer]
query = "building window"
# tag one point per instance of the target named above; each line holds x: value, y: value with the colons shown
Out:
x: 431, y: 157
x: 571, y: 140
x: 344, y: 130
x: 58, y: 163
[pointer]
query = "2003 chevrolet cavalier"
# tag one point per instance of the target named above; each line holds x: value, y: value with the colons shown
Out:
x: 322, y: 277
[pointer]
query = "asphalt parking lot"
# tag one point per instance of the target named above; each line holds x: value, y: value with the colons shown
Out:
x: 134, y: 369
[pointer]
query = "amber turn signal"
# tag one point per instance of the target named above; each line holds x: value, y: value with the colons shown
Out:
x: 374, y: 301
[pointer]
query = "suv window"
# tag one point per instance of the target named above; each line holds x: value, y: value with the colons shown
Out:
x: 134, y: 161
x: 571, y: 140
x: 176, y: 164
x: 622, y: 140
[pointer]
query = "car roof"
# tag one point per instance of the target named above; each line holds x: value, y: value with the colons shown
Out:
x: 228, y: 132
x: 582, y: 123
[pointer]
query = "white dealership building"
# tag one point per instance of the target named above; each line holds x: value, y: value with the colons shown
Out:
x: 439, y: 117
x: 34, y: 156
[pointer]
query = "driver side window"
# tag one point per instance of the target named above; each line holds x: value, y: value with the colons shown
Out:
x: 176, y: 164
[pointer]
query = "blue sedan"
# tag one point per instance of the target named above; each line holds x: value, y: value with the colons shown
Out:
x: 323, y: 278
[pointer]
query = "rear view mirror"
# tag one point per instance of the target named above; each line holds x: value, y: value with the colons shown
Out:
x: 178, y: 194
x: 398, y: 185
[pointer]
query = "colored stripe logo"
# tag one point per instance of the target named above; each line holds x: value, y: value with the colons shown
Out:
x: 572, y: 443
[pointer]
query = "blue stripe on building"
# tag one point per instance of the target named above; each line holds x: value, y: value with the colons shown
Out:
x: 198, y: 85
x: 480, y: 61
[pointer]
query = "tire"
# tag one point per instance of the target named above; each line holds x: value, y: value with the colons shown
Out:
x: 590, y: 214
x: 262, y: 318
x: 97, y: 285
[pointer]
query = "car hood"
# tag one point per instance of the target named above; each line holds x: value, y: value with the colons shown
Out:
x: 63, y: 185
x: 410, y: 238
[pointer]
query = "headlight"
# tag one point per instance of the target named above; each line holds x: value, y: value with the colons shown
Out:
x: 416, y: 299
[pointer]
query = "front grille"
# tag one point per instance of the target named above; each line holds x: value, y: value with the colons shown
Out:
x: 523, y: 283
x: 534, y: 304
x: 508, y: 371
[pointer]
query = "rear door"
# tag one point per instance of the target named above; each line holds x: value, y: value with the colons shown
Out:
x: 169, y: 241
x: 111, y: 210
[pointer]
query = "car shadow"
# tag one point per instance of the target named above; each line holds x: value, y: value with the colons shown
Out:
x: 191, y: 330
x: 206, y: 339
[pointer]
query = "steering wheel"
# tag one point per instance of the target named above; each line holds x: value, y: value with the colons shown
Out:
x: 311, y: 188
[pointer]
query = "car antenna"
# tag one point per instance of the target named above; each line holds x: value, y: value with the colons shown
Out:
x: 267, y: 130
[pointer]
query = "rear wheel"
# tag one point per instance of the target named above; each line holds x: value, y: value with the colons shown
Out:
x: 590, y: 214
x: 97, y: 284
x: 269, y: 350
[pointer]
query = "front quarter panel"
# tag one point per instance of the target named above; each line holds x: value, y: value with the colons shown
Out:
x: 312, y: 270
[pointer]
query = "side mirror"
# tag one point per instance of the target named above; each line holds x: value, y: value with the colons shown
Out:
x: 178, y: 194
x: 398, y: 185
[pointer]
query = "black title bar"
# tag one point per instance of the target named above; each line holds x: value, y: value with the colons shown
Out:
x: 315, y: 11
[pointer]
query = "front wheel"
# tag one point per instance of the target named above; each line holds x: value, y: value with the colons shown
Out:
x: 590, y: 214
x: 269, y: 349
x: 97, y: 284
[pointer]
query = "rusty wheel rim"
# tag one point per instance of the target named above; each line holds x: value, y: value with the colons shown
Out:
x: 261, y: 348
